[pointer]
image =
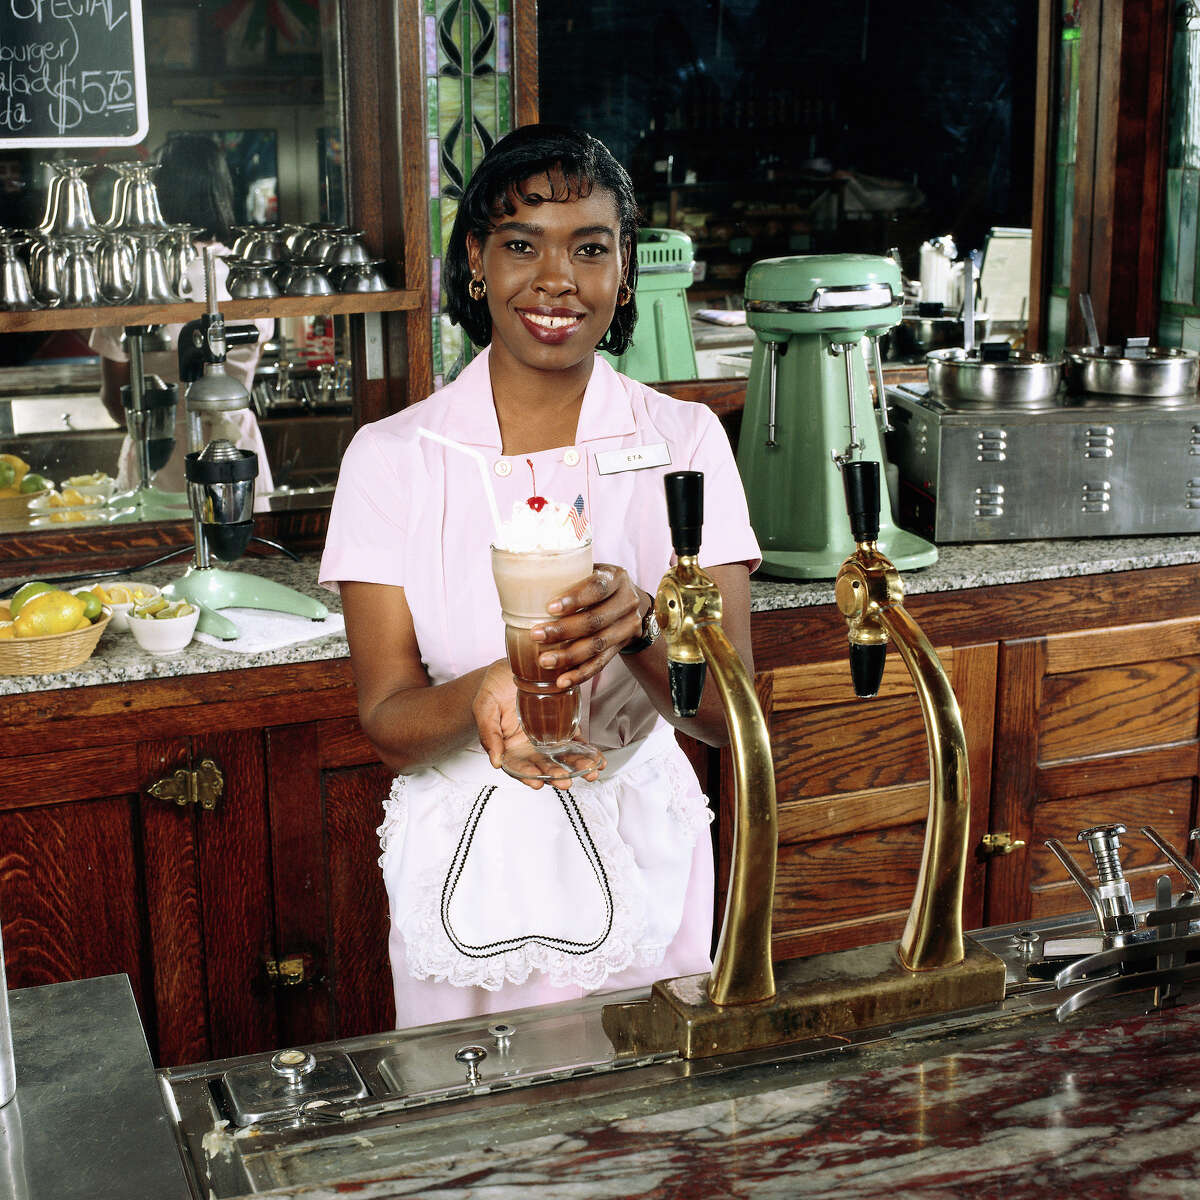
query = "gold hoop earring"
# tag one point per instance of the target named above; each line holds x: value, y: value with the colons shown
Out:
x: 624, y: 295
x: 477, y: 289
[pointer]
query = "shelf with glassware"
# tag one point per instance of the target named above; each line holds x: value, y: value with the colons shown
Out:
x: 47, y: 319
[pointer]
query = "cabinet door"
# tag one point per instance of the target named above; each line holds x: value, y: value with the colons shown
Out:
x: 71, y: 880
x: 852, y: 783
x: 208, y: 901
x: 1092, y: 728
x: 326, y: 796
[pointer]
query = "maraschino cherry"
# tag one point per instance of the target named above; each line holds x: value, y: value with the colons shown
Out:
x: 536, y: 502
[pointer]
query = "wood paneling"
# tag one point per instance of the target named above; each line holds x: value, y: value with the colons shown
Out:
x: 234, y: 856
x: 298, y: 860
x: 1111, y: 709
x: 176, y: 1018
x: 358, y: 906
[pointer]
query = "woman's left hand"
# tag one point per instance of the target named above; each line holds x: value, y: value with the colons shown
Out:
x: 599, y: 615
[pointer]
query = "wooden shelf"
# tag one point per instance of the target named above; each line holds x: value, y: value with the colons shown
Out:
x: 47, y: 319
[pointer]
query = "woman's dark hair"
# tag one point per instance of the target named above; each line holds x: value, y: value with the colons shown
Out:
x: 572, y: 163
x: 194, y: 185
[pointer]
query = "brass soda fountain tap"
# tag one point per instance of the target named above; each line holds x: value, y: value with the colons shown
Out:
x: 747, y: 1002
x: 870, y: 595
x: 688, y: 609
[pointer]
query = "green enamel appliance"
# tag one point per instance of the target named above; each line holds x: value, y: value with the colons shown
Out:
x: 663, y: 347
x: 809, y: 408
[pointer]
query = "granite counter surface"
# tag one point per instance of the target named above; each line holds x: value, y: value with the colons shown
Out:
x: 118, y: 659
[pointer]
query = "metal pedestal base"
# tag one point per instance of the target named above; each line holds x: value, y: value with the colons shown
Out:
x: 817, y: 996
x: 906, y: 550
x: 211, y: 588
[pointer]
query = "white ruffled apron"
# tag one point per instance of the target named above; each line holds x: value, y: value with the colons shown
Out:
x: 489, y: 881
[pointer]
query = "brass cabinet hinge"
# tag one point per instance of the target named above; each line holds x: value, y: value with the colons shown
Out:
x: 202, y: 786
x: 995, y: 844
x: 291, y: 971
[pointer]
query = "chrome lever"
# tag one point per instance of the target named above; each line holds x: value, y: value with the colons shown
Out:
x: 1180, y: 863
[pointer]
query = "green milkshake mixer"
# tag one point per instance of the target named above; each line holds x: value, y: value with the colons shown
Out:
x: 809, y: 409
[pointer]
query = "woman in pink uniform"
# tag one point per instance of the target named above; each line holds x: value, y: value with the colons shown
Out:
x: 503, y: 894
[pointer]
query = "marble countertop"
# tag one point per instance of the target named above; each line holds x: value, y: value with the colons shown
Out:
x: 1104, y: 1106
x: 118, y: 659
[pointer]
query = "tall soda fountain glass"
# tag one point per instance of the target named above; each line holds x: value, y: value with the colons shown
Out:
x: 542, y: 556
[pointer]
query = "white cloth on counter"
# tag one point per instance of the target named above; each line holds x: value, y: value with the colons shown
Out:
x: 261, y: 629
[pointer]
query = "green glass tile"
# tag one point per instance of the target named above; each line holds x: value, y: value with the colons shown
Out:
x: 431, y: 8
x: 1190, y: 336
x: 1170, y: 330
x: 503, y: 6
x: 485, y: 112
x: 1170, y: 260
x: 504, y: 114
x: 1056, y: 325
x: 435, y: 228
x: 449, y: 212
x: 1185, y: 271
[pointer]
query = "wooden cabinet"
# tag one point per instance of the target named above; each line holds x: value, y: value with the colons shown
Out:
x: 1080, y: 700
x: 212, y: 912
x: 1099, y: 726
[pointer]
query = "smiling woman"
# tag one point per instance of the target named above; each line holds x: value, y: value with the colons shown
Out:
x: 553, y: 893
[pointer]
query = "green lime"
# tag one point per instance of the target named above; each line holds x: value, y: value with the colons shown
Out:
x: 27, y: 591
x: 33, y: 483
x: 8, y: 475
x: 91, y: 603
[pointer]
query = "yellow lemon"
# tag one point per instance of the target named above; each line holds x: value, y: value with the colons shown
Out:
x: 50, y: 612
x: 27, y: 591
x: 98, y: 591
x: 84, y: 623
x: 118, y: 593
x: 6, y: 630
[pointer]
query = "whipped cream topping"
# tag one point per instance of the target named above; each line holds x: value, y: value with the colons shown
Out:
x: 550, y: 529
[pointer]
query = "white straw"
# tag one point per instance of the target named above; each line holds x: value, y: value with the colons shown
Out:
x: 483, y: 470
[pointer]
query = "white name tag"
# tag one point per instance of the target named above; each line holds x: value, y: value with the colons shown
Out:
x: 632, y: 458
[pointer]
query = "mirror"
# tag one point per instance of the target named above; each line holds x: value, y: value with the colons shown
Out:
x: 764, y: 129
x: 263, y: 83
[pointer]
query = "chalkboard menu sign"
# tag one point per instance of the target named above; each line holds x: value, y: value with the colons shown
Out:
x: 72, y: 73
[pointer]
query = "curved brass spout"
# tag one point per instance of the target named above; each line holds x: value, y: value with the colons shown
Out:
x: 870, y: 596
x: 688, y: 607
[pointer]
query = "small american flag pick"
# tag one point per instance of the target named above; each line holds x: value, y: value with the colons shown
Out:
x: 578, y: 520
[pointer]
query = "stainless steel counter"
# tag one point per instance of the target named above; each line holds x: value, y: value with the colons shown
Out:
x: 88, y: 1121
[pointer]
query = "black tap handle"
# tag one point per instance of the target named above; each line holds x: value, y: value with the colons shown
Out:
x: 866, y: 668
x: 240, y: 335
x: 861, y: 481
x: 687, y: 686
x: 685, y: 510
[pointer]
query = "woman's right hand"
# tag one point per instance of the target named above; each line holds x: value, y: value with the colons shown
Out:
x: 495, y: 713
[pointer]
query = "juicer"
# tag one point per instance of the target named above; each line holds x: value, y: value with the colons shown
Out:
x: 809, y: 409
x: 220, y: 483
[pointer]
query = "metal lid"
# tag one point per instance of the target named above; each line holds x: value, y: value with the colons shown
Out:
x: 823, y: 293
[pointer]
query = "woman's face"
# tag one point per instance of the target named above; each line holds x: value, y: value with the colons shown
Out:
x: 552, y: 272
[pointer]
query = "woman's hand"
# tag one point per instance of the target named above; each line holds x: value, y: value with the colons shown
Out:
x: 599, y: 615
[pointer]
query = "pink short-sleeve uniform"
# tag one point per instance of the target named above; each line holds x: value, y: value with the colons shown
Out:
x: 501, y: 896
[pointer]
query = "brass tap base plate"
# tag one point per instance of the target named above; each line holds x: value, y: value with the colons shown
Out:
x: 827, y: 993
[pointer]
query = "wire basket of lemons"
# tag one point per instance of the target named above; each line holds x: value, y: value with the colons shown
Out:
x: 44, y: 629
